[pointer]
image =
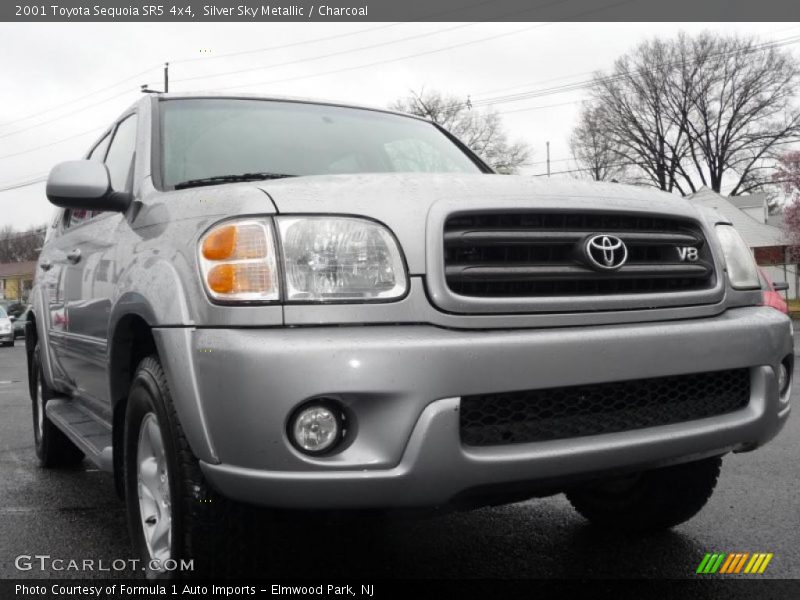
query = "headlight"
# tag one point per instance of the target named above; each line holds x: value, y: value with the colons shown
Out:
x: 238, y: 262
x: 340, y: 259
x: 739, y: 261
x: 5, y: 327
x: 324, y: 259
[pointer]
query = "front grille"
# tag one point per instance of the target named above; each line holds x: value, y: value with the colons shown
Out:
x: 534, y: 254
x: 569, y: 412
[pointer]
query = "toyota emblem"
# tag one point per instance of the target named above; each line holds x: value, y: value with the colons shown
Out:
x: 605, y: 252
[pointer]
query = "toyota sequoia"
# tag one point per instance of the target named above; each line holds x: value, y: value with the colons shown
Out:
x: 254, y: 301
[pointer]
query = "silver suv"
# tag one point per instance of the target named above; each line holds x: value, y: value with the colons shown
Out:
x: 286, y: 303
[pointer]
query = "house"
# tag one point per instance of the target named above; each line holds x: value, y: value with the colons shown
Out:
x: 757, y: 206
x: 16, y: 280
x: 749, y: 215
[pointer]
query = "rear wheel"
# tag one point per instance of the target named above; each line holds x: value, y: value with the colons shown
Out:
x: 172, y: 511
x: 651, y: 500
x: 53, y: 448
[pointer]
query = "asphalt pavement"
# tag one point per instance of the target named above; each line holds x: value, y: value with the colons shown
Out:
x: 76, y: 514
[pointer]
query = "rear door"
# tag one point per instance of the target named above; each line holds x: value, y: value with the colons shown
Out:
x: 50, y: 278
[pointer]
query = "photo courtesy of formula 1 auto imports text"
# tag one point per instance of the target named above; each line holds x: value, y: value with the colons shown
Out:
x: 371, y: 299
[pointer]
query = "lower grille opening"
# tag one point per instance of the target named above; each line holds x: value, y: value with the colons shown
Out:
x: 577, y: 411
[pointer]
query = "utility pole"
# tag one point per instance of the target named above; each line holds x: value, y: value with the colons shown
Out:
x: 147, y: 90
x: 548, y: 159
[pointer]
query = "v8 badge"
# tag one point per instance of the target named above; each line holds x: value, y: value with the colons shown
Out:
x: 687, y: 253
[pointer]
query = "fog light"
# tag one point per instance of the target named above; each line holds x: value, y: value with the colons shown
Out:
x: 316, y: 428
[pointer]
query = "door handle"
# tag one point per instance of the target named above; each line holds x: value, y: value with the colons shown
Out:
x: 74, y: 256
x: 45, y: 265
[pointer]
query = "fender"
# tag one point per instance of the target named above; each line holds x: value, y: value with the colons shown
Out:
x: 156, y: 312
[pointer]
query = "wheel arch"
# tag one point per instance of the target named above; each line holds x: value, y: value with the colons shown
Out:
x: 134, y: 334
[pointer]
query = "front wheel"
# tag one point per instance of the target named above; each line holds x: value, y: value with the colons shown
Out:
x: 173, y: 514
x: 651, y: 500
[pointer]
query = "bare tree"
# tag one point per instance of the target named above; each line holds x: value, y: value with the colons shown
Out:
x: 18, y: 246
x: 596, y: 153
x: 705, y: 110
x: 481, y: 131
x: 632, y: 102
x: 743, y: 110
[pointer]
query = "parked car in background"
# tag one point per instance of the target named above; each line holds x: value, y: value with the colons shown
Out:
x: 13, y: 308
x: 6, y: 328
x: 772, y: 292
x: 21, y: 322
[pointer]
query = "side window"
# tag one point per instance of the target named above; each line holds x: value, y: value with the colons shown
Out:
x: 98, y: 153
x: 76, y: 216
x: 120, y: 155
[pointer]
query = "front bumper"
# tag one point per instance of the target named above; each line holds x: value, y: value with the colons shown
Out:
x: 7, y: 337
x: 403, y: 384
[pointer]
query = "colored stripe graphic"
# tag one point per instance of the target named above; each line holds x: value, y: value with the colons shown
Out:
x: 734, y: 562
x: 711, y: 563
x: 701, y: 567
x: 741, y: 562
x: 729, y: 562
x: 764, y: 564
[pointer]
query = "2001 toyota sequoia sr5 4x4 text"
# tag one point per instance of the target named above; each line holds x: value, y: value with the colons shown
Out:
x: 283, y: 303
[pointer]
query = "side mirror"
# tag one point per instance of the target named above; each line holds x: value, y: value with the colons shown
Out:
x: 12, y: 319
x: 780, y: 286
x: 84, y: 184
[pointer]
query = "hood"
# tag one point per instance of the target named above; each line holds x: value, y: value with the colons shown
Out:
x: 403, y: 201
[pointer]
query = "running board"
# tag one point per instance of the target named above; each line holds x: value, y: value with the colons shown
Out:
x: 85, y: 431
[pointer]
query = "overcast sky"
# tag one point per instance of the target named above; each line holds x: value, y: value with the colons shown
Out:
x: 50, y: 73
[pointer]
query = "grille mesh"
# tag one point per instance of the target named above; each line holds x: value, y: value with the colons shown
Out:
x: 537, y: 254
x: 568, y: 412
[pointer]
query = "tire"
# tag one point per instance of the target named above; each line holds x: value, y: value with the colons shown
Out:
x: 53, y: 448
x: 203, y: 526
x: 651, y: 500
x: 9, y: 344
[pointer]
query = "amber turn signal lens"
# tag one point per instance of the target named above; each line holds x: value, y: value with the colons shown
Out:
x: 240, y: 278
x: 238, y: 263
x: 221, y: 243
x: 221, y: 279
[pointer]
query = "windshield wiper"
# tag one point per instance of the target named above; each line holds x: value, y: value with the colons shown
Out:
x: 218, y: 179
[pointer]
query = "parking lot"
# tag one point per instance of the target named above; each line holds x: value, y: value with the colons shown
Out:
x: 77, y: 515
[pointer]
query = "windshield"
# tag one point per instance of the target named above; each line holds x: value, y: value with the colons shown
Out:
x: 2, y: 313
x: 205, y: 138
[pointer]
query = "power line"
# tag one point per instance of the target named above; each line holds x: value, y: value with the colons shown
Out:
x: 23, y: 185
x: 369, y: 46
x: 326, y: 56
x: 333, y: 37
x: 79, y: 98
x: 427, y: 52
x: 284, y: 46
x: 229, y: 55
x: 585, y: 73
x: 72, y: 112
x: 504, y: 99
x: 576, y: 86
x: 297, y: 61
x: 66, y: 139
